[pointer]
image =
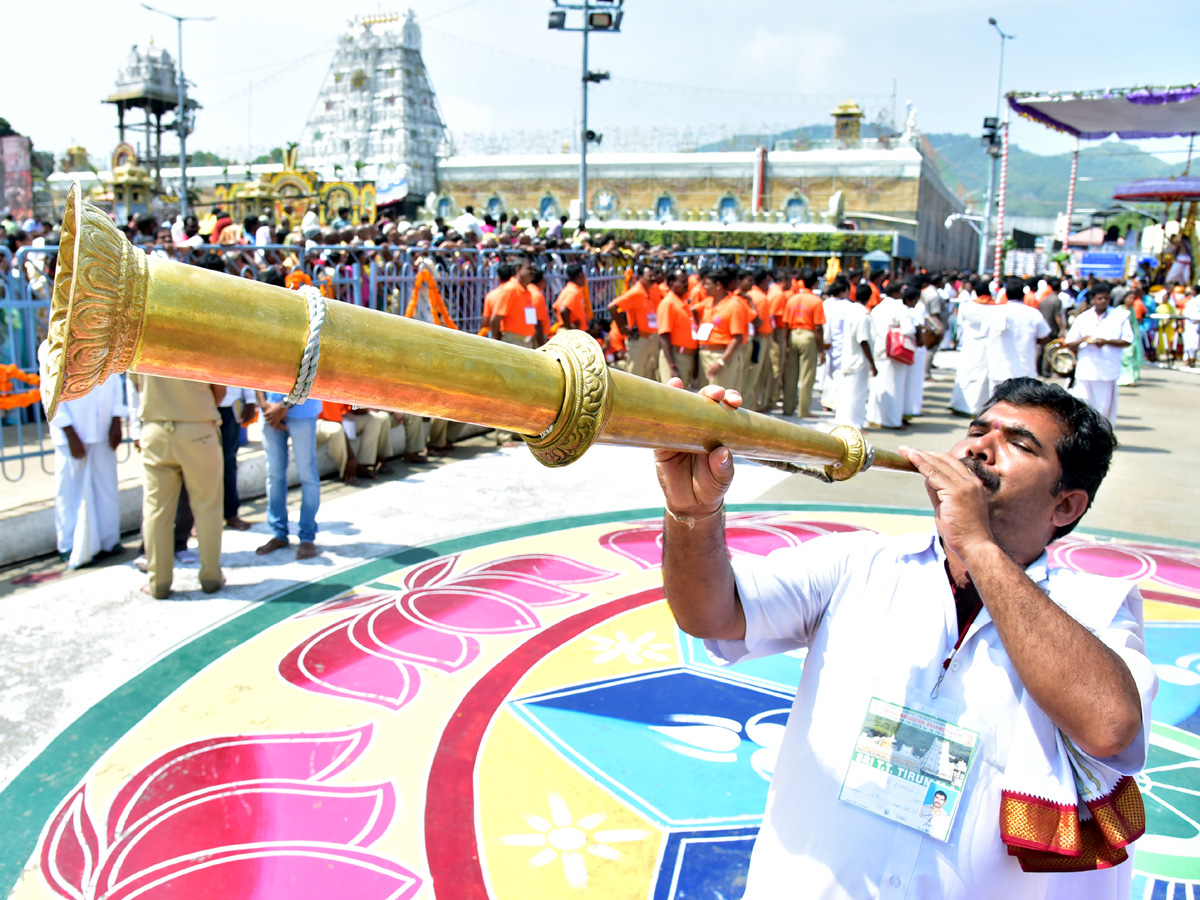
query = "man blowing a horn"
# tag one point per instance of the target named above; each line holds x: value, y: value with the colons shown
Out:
x: 956, y: 666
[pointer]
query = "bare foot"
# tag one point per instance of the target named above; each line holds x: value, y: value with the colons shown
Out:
x: 383, y: 468
x: 237, y: 523
x: 306, y: 550
x: 367, y: 472
x: 414, y: 458
x: 213, y: 588
x: 271, y: 546
x: 146, y: 590
x: 438, y: 451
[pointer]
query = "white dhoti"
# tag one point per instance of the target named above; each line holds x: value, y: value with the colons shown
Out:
x: 885, y: 405
x: 1100, y: 395
x: 971, y: 381
x: 825, y: 378
x: 1191, y: 339
x: 916, y: 383
x: 1180, y: 272
x: 87, y: 515
x: 853, y: 390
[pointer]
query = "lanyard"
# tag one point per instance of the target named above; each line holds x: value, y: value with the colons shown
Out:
x: 961, y: 636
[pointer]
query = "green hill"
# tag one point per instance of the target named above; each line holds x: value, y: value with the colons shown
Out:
x: 1037, y: 185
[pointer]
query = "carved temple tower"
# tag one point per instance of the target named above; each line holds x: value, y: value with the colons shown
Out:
x: 376, y: 116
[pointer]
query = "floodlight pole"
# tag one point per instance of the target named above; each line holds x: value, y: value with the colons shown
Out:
x: 181, y: 111
x: 583, y: 137
x: 987, y: 209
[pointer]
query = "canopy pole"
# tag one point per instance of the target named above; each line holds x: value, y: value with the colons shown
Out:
x: 1071, y: 195
x: 1188, y: 167
x: 1000, y: 209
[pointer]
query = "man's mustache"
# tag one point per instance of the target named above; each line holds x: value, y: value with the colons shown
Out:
x: 986, y: 476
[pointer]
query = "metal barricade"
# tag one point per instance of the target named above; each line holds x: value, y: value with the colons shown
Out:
x: 381, y: 277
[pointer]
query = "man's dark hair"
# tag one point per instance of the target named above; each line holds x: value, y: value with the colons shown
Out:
x: 725, y: 276
x: 839, y: 285
x: 1100, y: 287
x: 981, y: 286
x: 344, y: 211
x: 862, y: 293
x: 504, y: 272
x: 273, y: 276
x: 211, y: 261
x: 574, y: 270
x: 1084, y: 452
x: 761, y: 276
x: 942, y: 794
x: 538, y: 274
x: 909, y: 292
x: 1014, y: 288
x: 808, y: 277
x: 469, y: 209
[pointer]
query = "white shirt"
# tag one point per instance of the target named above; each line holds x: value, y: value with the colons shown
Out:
x: 1012, y: 349
x: 91, y: 415
x: 889, y: 313
x: 878, y: 617
x: 835, y: 309
x: 855, y: 328
x: 234, y: 394
x: 1100, y: 363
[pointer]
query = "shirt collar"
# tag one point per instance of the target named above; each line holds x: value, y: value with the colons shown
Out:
x: 929, y: 542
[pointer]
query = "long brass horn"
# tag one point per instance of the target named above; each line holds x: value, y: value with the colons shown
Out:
x: 116, y: 309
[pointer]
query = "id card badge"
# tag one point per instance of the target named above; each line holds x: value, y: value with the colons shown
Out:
x: 750, y: 328
x: 910, y: 766
x: 652, y: 321
x: 704, y: 332
x: 530, y: 316
x: 695, y: 332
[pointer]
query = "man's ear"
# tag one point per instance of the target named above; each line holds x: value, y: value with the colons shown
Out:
x: 1070, y: 507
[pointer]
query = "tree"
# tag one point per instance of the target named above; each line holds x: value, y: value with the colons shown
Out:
x: 275, y: 156
x: 6, y: 129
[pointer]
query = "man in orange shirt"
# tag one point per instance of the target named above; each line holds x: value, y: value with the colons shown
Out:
x: 637, y: 320
x: 570, y: 308
x: 805, y: 316
x: 676, y: 334
x: 515, y: 317
x: 758, y: 386
x: 778, y: 295
x: 698, y: 300
x: 503, y: 273
x: 723, y: 331
x: 537, y: 293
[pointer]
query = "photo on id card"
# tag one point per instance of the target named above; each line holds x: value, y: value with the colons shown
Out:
x: 910, y: 767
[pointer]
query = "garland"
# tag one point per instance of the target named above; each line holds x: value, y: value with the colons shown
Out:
x: 10, y: 373
x: 437, y: 306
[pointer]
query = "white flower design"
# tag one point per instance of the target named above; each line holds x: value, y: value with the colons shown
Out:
x: 716, y: 738
x: 635, y: 651
x: 564, y: 837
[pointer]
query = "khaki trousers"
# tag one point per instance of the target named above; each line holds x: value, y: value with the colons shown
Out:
x: 751, y: 369
x: 188, y: 453
x: 437, y: 433
x: 641, y: 356
x: 686, y: 365
x: 779, y: 338
x: 800, y: 372
x: 332, y: 433
x: 730, y: 377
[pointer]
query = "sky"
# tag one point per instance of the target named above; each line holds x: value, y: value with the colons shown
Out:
x: 748, y: 65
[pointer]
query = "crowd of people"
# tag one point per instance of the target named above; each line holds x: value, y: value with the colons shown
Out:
x: 853, y: 346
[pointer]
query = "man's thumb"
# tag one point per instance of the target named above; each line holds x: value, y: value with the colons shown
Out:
x: 720, y: 463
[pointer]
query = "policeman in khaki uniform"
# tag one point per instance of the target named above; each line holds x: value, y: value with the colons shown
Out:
x: 181, y: 442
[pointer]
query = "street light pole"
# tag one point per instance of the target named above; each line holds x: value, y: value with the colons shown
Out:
x: 987, y: 209
x: 181, y: 110
x: 583, y: 136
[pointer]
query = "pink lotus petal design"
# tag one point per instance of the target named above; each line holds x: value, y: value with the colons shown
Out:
x: 70, y: 850
x: 1176, y: 567
x: 231, y: 760
x: 753, y: 534
x: 391, y: 632
x: 533, y: 591
x: 295, y: 872
x: 348, y: 602
x: 468, y: 610
x: 558, y: 569
x: 435, y: 621
x: 249, y: 817
x: 255, y: 812
x: 330, y: 662
x: 430, y: 572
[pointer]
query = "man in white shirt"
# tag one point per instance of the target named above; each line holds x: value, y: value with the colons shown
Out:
x: 976, y: 311
x: 85, y: 434
x: 966, y: 629
x: 856, y: 360
x: 1098, y: 335
x: 1017, y: 333
x: 1191, y: 327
